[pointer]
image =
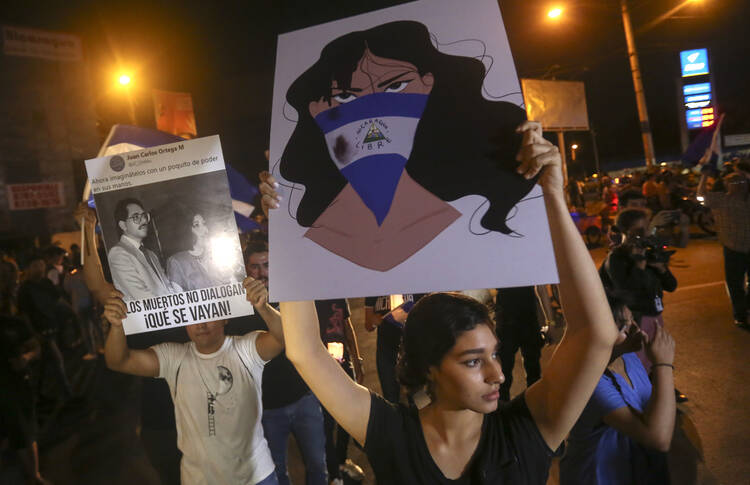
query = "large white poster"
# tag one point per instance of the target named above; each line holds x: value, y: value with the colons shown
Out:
x: 169, y: 230
x: 393, y: 140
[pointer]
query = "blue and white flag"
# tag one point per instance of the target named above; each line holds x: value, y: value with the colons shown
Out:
x: 370, y: 139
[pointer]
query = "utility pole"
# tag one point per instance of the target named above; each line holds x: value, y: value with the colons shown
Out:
x: 640, y: 98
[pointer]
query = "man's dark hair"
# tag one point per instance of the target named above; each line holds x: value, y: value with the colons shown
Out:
x: 121, y: 211
x: 431, y: 330
x: 629, y: 195
x: 256, y: 246
x: 627, y: 219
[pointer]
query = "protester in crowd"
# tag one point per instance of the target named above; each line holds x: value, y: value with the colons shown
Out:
x: 40, y: 302
x: 517, y: 327
x: 634, y: 270
x: 83, y: 305
x: 337, y: 333
x: 632, y: 199
x: 18, y: 421
x: 215, y: 381
x: 626, y: 428
x: 654, y: 191
x: 390, y: 324
x: 9, y: 280
x: 732, y: 212
x: 54, y: 257
x: 288, y: 404
x: 136, y: 270
x: 628, y: 270
x: 193, y: 268
x: 450, y: 349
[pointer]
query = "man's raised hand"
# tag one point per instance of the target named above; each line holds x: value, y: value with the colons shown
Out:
x: 269, y: 198
x: 255, y: 291
x: 115, y: 310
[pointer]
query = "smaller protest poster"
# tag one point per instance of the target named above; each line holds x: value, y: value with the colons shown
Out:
x: 170, y: 234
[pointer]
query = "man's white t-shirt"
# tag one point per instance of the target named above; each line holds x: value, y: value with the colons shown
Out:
x: 217, y: 400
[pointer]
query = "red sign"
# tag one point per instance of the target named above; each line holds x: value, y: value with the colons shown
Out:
x: 35, y: 196
x: 174, y: 113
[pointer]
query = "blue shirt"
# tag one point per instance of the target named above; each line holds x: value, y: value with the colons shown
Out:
x: 599, y: 454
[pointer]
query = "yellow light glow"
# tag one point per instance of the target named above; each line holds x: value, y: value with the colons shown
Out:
x: 574, y: 146
x: 336, y: 349
x: 124, y: 79
x: 663, y: 164
x: 223, y: 252
x: 595, y: 175
x: 554, y: 12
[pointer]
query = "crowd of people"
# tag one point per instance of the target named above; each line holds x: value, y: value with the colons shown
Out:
x: 224, y: 396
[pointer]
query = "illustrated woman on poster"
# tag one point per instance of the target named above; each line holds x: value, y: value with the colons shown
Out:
x: 389, y: 131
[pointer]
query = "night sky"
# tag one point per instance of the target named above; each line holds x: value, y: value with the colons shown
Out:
x: 224, y: 55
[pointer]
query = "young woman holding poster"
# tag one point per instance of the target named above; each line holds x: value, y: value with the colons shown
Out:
x: 450, y: 349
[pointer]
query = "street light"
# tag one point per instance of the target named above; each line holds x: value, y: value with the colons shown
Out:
x: 125, y: 81
x: 648, y: 143
x: 573, y: 149
x: 555, y: 12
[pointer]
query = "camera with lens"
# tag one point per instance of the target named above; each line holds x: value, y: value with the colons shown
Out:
x: 655, y: 250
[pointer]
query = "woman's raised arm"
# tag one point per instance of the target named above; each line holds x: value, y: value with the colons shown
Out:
x: 557, y: 400
x: 347, y: 401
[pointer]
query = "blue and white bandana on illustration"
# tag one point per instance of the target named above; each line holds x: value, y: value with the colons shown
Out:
x: 370, y: 139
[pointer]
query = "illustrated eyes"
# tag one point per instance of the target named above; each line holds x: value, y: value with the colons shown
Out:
x: 397, y: 86
x: 345, y: 97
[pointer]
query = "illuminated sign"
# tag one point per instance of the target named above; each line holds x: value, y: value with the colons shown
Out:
x: 694, y: 62
x: 699, y: 118
x: 696, y: 88
x: 698, y: 97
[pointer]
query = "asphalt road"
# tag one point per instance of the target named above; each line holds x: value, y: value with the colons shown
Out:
x: 95, y: 440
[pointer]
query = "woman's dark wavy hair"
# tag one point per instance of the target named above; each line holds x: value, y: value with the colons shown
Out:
x: 186, y: 226
x: 431, y: 330
x: 464, y: 144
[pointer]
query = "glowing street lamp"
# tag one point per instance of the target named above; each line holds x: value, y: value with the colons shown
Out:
x: 554, y: 13
x: 125, y: 82
x: 573, y: 149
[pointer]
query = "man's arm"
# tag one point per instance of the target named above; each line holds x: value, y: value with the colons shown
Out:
x: 118, y: 356
x: 268, y: 344
x: 557, y: 400
x: 655, y: 427
x: 93, y: 274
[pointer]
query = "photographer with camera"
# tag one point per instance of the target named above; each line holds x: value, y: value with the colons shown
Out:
x: 638, y: 270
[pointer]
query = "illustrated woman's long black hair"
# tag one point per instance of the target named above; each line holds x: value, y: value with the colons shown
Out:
x: 464, y: 144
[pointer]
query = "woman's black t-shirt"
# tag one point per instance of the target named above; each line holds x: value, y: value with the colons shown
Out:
x: 511, y: 450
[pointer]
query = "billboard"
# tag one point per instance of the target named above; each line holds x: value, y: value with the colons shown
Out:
x: 558, y: 105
